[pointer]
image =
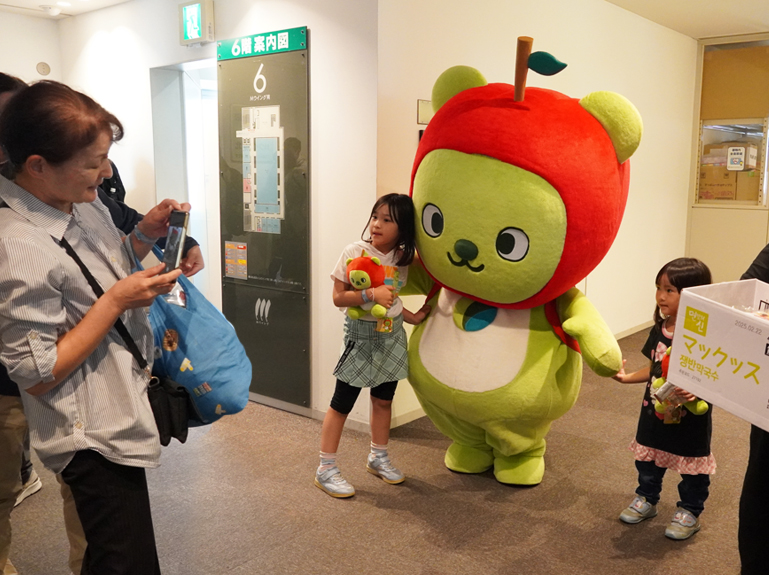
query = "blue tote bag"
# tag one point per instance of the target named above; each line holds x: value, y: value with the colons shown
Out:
x: 198, y: 348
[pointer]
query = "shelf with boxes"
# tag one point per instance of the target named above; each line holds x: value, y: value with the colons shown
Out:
x: 732, y: 161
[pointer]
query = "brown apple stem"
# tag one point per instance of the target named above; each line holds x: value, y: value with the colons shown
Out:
x: 522, y: 53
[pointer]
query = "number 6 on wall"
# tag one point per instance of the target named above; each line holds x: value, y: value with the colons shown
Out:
x: 260, y: 77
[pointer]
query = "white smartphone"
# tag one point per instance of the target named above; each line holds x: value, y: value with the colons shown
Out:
x: 177, y: 233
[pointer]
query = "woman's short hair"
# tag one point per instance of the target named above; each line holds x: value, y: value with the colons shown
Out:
x: 10, y: 83
x: 54, y: 121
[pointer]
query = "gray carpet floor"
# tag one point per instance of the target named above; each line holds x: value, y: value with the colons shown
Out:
x: 238, y: 498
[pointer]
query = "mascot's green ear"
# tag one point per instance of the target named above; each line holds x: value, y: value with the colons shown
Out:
x: 453, y: 81
x: 347, y: 263
x: 619, y: 117
x: 376, y: 261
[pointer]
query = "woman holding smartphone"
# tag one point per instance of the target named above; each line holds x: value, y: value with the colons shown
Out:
x: 84, y: 394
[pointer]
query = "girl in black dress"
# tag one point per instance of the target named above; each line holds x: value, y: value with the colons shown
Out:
x: 677, y: 439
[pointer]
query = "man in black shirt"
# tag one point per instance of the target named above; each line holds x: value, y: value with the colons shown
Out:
x: 754, y: 502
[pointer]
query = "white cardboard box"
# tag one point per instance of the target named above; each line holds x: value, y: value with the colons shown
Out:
x: 720, y: 351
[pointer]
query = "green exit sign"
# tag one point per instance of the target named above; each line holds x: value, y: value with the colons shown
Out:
x: 191, y: 15
x: 196, y: 22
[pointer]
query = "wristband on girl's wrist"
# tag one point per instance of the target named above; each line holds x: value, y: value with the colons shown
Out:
x: 365, y: 297
x: 142, y: 238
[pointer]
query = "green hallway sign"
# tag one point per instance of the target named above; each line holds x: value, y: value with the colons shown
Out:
x: 263, y: 44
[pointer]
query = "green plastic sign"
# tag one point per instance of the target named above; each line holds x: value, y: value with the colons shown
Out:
x: 262, y: 44
x: 192, y: 22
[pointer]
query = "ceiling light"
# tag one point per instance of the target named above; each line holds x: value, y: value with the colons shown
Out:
x: 64, y: 4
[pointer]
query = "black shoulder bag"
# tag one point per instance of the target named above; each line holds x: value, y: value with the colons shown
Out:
x: 171, y: 403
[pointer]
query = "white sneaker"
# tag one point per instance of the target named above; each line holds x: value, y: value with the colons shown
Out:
x: 638, y: 510
x: 32, y: 486
x: 382, y: 467
x: 332, y: 482
x: 683, y: 525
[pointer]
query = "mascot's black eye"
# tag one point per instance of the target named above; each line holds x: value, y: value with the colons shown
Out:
x: 512, y: 244
x: 432, y: 220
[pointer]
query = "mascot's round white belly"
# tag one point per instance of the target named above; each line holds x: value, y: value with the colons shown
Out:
x: 492, y: 355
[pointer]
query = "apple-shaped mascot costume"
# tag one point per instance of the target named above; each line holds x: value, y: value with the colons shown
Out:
x: 518, y: 196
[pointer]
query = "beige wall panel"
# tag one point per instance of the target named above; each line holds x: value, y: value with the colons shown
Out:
x: 727, y: 240
x: 735, y: 83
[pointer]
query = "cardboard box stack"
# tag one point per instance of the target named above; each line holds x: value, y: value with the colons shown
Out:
x: 728, y: 171
x: 717, y: 183
x: 747, y: 185
x: 736, y: 156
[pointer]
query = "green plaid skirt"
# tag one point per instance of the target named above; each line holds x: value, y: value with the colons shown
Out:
x: 370, y: 357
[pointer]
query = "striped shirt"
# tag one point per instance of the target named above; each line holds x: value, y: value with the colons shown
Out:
x: 102, y: 405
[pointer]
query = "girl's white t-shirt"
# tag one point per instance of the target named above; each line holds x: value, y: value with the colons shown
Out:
x: 394, y: 275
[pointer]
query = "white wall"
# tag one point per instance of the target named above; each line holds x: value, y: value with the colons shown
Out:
x: 108, y: 54
x: 25, y: 41
x: 169, y: 133
x: 606, y: 48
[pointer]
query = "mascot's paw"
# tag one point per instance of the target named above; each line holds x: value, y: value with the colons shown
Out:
x: 608, y: 364
x: 464, y: 459
x: 519, y: 469
x: 378, y: 310
x: 355, y: 312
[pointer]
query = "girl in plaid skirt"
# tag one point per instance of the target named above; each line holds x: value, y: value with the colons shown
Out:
x: 374, y: 349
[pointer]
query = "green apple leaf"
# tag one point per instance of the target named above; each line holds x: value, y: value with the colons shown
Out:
x: 545, y: 63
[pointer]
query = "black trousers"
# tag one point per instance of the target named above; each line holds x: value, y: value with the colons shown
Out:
x: 753, y: 534
x: 114, y: 508
x: 693, y: 489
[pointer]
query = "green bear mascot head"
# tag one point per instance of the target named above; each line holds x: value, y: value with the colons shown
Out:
x: 519, y: 201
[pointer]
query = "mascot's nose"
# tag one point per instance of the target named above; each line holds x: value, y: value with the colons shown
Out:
x: 466, y: 249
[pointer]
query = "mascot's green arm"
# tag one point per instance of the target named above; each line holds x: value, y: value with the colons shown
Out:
x: 418, y: 282
x: 583, y: 322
